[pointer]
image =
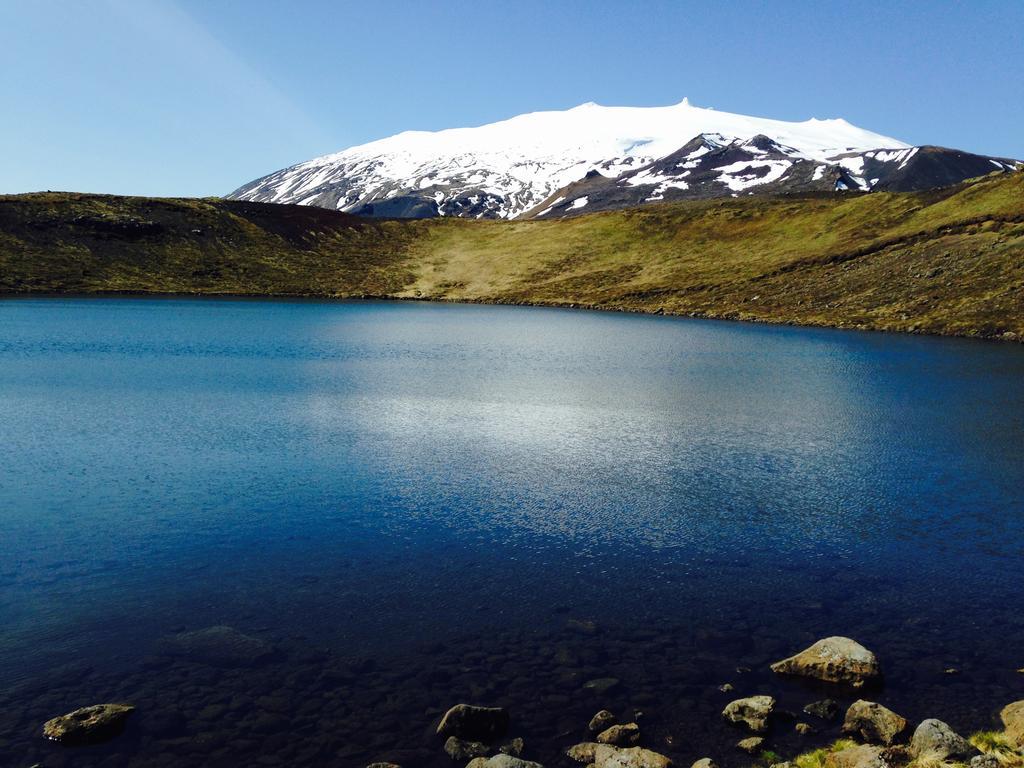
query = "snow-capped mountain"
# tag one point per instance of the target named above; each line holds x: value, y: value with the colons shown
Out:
x: 549, y: 164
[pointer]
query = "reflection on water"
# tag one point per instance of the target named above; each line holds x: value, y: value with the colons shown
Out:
x: 410, y: 501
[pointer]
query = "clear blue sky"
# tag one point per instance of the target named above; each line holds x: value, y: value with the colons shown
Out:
x: 196, y: 97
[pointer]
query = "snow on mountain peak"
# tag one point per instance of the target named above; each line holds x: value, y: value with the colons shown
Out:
x: 515, y: 164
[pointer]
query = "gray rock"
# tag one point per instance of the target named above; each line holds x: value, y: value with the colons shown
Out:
x: 601, y: 721
x: 88, y: 725
x: 607, y: 756
x: 704, y: 762
x: 985, y: 761
x: 460, y: 750
x: 219, y: 646
x: 826, y: 709
x: 752, y: 711
x: 834, y: 660
x: 504, y: 761
x: 620, y: 735
x: 874, y: 723
x: 750, y: 745
x: 584, y: 752
x: 803, y: 729
x: 863, y: 756
x: 474, y: 723
x: 935, y: 738
x: 1013, y: 720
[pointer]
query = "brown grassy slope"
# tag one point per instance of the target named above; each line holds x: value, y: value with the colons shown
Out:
x: 950, y: 261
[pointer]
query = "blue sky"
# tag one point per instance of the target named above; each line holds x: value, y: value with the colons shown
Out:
x: 196, y: 97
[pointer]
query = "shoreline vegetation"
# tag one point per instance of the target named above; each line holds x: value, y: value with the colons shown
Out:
x: 946, y: 262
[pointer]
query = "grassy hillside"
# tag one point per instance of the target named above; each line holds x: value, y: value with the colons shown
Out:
x: 950, y: 261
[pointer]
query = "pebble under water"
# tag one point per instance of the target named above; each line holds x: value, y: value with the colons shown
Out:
x: 383, y: 509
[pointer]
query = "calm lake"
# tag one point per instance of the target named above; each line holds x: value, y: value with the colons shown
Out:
x: 405, y: 506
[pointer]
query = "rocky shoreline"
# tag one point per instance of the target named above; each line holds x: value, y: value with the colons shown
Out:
x: 475, y: 736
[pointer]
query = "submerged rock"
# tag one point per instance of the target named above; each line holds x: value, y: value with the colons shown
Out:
x: 88, y: 725
x: 826, y: 709
x: 219, y: 646
x: 601, y: 721
x: 704, y: 762
x: 602, y: 685
x: 874, y: 723
x: 834, y: 660
x: 606, y: 756
x: 750, y: 745
x: 383, y: 765
x: 935, y: 738
x: 1013, y: 720
x: 514, y: 747
x: 460, y: 750
x: 474, y: 723
x: 752, y: 711
x: 620, y: 735
x: 862, y: 756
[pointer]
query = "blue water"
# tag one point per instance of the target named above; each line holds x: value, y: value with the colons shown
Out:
x: 388, y: 483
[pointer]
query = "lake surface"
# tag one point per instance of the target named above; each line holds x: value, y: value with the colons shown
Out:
x: 415, y: 505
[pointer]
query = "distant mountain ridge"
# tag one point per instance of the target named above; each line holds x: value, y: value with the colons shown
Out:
x: 590, y: 158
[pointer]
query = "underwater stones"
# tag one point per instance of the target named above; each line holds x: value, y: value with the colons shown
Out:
x: 874, y: 723
x: 514, y: 747
x: 88, y: 725
x: 601, y: 721
x: 460, y: 750
x: 601, y: 685
x: 474, y: 723
x: 935, y: 738
x: 607, y: 756
x: 752, y: 711
x: 861, y: 756
x: 620, y: 735
x: 826, y: 709
x: 1012, y: 716
x: 750, y: 745
x: 219, y: 646
x: 834, y: 660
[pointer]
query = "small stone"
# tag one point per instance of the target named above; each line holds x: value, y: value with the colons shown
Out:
x: 583, y: 752
x: 601, y: 685
x: 88, y: 725
x: 704, y: 762
x: 726, y: 688
x: 219, y: 646
x: 826, y: 709
x: 620, y: 735
x: 874, y: 723
x: 951, y: 671
x: 460, y: 750
x: 504, y: 761
x: 606, y: 756
x: 862, y: 756
x: 1012, y: 716
x: 474, y: 723
x: 985, y: 761
x: 383, y: 765
x: 936, y: 739
x: 834, y: 660
x: 750, y: 745
x: 752, y: 711
x: 601, y: 721
x: 803, y: 729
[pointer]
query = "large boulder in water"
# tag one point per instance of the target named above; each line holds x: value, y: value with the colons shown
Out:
x: 1013, y: 719
x: 474, y: 723
x: 936, y: 739
x: 88, y: 725
x: 219, y: 646
x: 873, y: 723
x: 834, y: 660
x: 752, y: 712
